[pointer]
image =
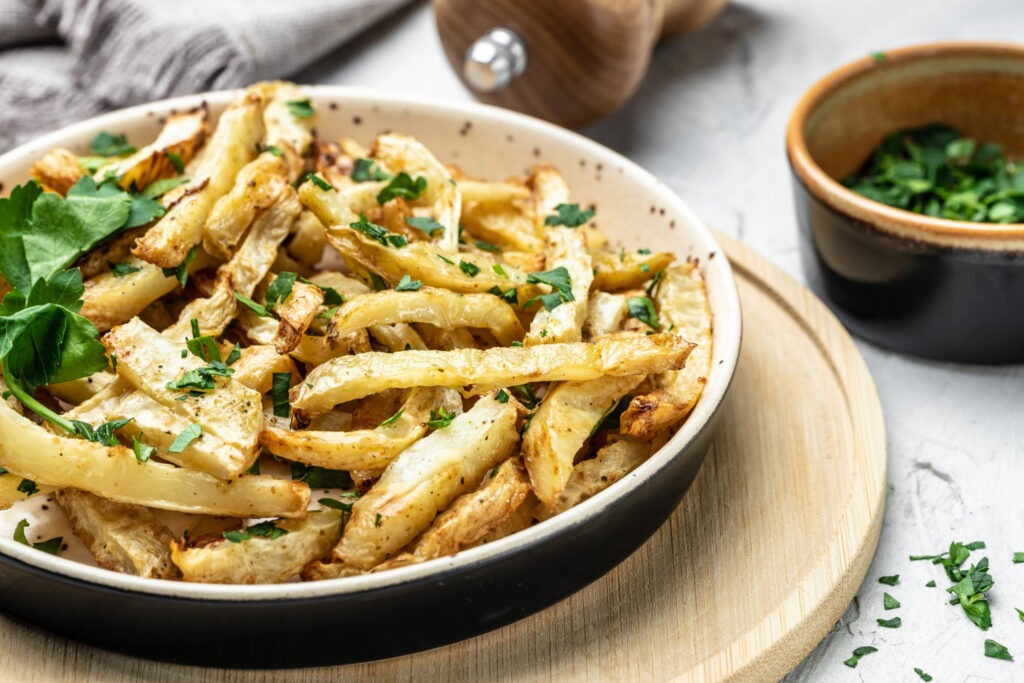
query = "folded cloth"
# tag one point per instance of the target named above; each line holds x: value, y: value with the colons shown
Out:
x: 65, y: 60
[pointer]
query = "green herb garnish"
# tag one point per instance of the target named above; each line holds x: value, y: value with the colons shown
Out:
x: 300, y: 109
x: 51, y: 545
x: 180, y: 273
x: 425, y: 224
x: 402, y: 185
x: 441, y: 418
x: 109, y: 145
x: 889, y: 602
x: 569, y: 215
x: 997, y: 651
x: 321, y: 477
x: 642, y: 308
x: 282, y: 382
x: 280, y: 289
x: 889, y: 580
x: 103, y: 434
x: 368, y: 169
x: 268, y: 530
x: 316, y: 180
x: 393, y: 419
x: 857, y: 654
x: 1018, y: 558
x: 922, y: 675
x: 143, y: 451
x: 407, y: 284
x: 501, y: 396
x: 895, y: 622
x: 378, y: 233
x: 122, y: 269
x: 187, y: 436
x: 558, y: 278
x: 470, y: 269
x: 258, y: 309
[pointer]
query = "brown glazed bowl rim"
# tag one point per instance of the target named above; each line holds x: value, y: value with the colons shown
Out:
x: 946, y: 232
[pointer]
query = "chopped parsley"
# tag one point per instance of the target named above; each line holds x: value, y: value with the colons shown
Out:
x: 642, y: 308
x: 122, y: 269
x: 487, y: 246
x: 316, y: 180
x: 497, y: 268
x: 143, y: 451
x: 159, y: 188
x: 569, y: 215
x: 378, y: 233
x: 368, y: 169
x: 176, y: 162
x: 331, y: 295
x: 377, y: 520
x: 282, y: 382
x: 1018, y: 558
x: 879, y: 56
x: 300, y: 109
x: 930, y: 584
x: 407, y: 284
x: 51, y: 545
x: 510, y: 297
x: 526, y: 395
x: 889, y: 580
x: 425, y: 224
x: 441, y: 418
x: 655, y: 281
x: 501, y: 396
x: 560, y: 280
x: 393, y: 419
x: 104, y: 434
x: 858, y: 654
x: 202, y: 379
x: 402, y: 185
x: 271, y: 149
x: 469, y: 269
x: 997, y: 651
x: 922, y: 675
x: 895, y: 622
x: 110, y: 145
x: 187, y: 436
x: 180, y: 272
x: 320, y: 477
x: 280, y: 289
x: 28, y: 487
x: 889, y: 602
x: 446, y: 260
x: 268, y: 530
x: 258, y: 309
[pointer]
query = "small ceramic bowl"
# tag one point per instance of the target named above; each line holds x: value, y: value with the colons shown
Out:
x: 938, y: 288
x: 421, y: 606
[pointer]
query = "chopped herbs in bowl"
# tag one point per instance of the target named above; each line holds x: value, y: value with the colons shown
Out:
x: 934, y: 170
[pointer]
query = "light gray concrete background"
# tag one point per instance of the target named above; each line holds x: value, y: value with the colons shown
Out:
x: 709, y: 121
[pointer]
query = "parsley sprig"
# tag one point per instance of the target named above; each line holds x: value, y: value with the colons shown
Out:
x: 378, y: 233
x: 560, y: 280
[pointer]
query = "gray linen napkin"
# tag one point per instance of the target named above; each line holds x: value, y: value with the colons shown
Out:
x: 65, y: 60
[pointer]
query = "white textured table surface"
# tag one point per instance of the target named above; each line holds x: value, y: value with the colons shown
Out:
x: 709, y: 121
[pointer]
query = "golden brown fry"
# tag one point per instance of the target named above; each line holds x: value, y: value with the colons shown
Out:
x: 439, y: 307
x: 181, y: 137
x: 475, y: 514
x: 618, y: 272
x: 29, y: 451
x: 567, y: 417
x: 57, y: 171
x: 124, y: 538
x: 308, y: 239
x: 258, y: 365
x: 256, y: 188
x: 351, y: 377
x: 683, y: 308
x: 295, y: 315
x: 261, y: 559
x: 424, y: 480
x: 362, y: 449
x: 231, y: 147
x: 287, y: 134
x: 612, y: 463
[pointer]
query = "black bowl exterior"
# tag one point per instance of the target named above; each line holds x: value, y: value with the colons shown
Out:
x: 408, y: 617
x: 939, y: 302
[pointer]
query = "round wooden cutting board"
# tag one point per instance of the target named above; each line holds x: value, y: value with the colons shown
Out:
x: 759, y: 561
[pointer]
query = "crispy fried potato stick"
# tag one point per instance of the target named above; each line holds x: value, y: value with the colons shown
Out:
x: 614, y: 273
x: 683, y: 307
x: 124, y: 538
x: 605, y: 314
x: 57, y: 171
x: 404, y: 153
x: 362, y: 449
x: 425, y: 479
x: 149, y: 361
x: 351, y: 377
x: 567, y: 417
x: 231, y: 147
x: 114, y: 473
x: 475, y: 514
x: 261, y: 559
x: 439, y: 307
x: 422, y: 261
x: 182, y: 135
x: 567, y: 249
x: 613, y: 462
x: 295, y: 316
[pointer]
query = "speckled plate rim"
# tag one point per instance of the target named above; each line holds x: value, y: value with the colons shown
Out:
x: 727, y: 336
x: 960, y: 234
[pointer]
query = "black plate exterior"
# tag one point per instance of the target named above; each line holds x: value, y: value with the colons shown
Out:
x: 395, y: 620
x: 948, y: 304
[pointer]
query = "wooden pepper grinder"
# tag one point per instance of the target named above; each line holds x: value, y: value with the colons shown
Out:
x: 567, y: 61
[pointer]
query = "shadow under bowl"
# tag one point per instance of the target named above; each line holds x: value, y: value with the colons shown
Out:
x: 943, y: 289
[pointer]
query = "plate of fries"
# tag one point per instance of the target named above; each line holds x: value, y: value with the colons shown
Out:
x: 315, y: 361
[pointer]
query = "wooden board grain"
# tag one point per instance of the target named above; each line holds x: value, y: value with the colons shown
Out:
x: 760, y: 559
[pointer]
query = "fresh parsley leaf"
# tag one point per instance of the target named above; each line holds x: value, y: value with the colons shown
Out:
x: 499, y: 270
x: 159, y: 188
x: 19, y: 532
x: 1020, y: 613
x: 258, y: 309
x: 181, y: 271
x: 316, y: 180
x: 997, y: 651
x: 28, y: 487
x: 878, y: 56
x: 103, y: 434
x: 378, y: 233
x: 176, y: 162
x: 143, y: 451
x: 110, y: 145
x: 267, y: 530
x: 281, y: 288
x: 970, y: 590
x: 236, y: 536
x: 889, y: 602
x: 569, y: 215
x: 203, y: 346
x: 922, y: 675
x: 282, y: 383
x: 1018, y: 558
x: 560, y: 280
x: 501, y: 396
x: 487, y: 246
x: 402, y: 185
x: 857, y: 654
x: 895, y: 622
x: 187, y: 436
x: 469, y: 269
x: 335, y: 504
x: 50, y: 545
x: 930, y: 584
x: 300, y: 109
x: 407, y: 284
x: 441, y: 418
x: 889, y: 580
x: 526, y: 395
x: 393, y: 419
x: 320, y: 477
x: 270, y: 149
x: 368, y: 169
x: 642, y: 308
x: 446, y: 259
x: 331, y: 295
x: 122, y: 269
x: 254, y: 468
x: 141, y: 209
x: 510, y: 297
x: 377, y: 520
x: 425, y: 224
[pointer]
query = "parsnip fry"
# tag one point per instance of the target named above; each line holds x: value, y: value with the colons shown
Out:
x: 287, y: 133
x: 258, y: 365
x: 261, y: 559
x: 424, y: 480
x: 232, y: 145
x: 605, y: 314
x: 296, y: 314
x: 439, y: 307
x: 615, y: 273
x: 567, y: 417
x: 150, y: 361
x: 57, y: 171
x: 30, y: 451
x: 257, y: 187
x: 122, y: 537
x: 549, y: 190
x: 362, y: 449
x: 487, y: 193
x: 683, y: 308
x: 351, y: 377
x: 181, y: 137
